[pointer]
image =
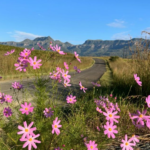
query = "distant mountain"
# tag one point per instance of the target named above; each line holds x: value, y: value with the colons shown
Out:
x: 88, y: 48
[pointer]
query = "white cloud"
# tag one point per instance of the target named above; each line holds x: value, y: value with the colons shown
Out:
x: 117, y: 24
x: 121, y: 36
x: 20, y: 36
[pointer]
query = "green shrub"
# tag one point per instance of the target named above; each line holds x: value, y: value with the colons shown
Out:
x: 113, y: 58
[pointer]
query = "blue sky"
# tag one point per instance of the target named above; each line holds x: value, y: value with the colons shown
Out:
x: 74, y: 21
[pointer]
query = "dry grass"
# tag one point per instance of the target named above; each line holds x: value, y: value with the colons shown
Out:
x: 48, y: 62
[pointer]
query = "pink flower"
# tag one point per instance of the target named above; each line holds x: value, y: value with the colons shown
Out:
x: 55, y: 126
x: 8, y: 98
x: 92, y: 145
x: 76, y: 69
x: 134, y: 138
x: 148, y: 123
x: 66, y: 83
x: 52, y: 48
x: 41, y: 47
x: 98, y: 128
x: 82, y: 87
x: 99, y: 110
x: 35, y: 63
x: 25, y: 53
x: 111, y: 95
x: 137, y: 79
x: 126, y: 144
x: 65, y: 75
x: 54, y: 76
x: 71, y: 99
x: 48, y: 112
x: 21, y: 66
x: 7, y: 112
x: 111, y: 116
x: 58, y: 69
x: 12, y: 51
x: 116, y: 107
x: 2, y: 98
x: 58, y: 148
x: 30, y: 141
x: 26, y: 130
x: 58, y: 50
x: 17, y: 85
x: 148, y: 101
x: 141, y: 116
x: 23, y: 59
x: 26, y: 108
x: 32, y: 48
x: 96, y: 84
x: 110, y: 129
x: 66, y: 65
x: 76, y: 56
x: 82, y: 135
x: 8, y: 53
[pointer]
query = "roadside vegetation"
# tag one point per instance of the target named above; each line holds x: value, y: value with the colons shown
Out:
x: 49, y: 62
x: 84, y: 121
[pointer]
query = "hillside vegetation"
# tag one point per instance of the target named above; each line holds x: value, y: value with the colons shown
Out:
x: 49, y: 62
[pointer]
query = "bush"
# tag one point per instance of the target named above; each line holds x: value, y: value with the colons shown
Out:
x: 113, y: 58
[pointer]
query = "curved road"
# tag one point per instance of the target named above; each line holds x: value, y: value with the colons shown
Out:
x: 87, y: 76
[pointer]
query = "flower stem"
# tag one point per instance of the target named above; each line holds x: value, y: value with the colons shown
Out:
x: 50, y: 142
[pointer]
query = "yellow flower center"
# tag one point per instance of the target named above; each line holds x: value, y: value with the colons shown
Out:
x: 34, y: 63
x: 30, y: 139
x: 70, y: 99
x: 126, y: 143
x: 58, y: 50
x: 91, y: 147
x: 26, y: 108
x: 149, y: 103
x: 82, y: 86
x: 133, y: 135
x: 7, y: 98
x: 110, y: 115
x: 141, y: 116
x: 55, y: 126
x: 26, y: 130
x: 65, y: 75
x: 26, y: 54
x: 110, y: 129
x: 6, y: 111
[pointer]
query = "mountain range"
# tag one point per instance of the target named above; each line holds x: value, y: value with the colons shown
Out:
x: 88, y: 48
